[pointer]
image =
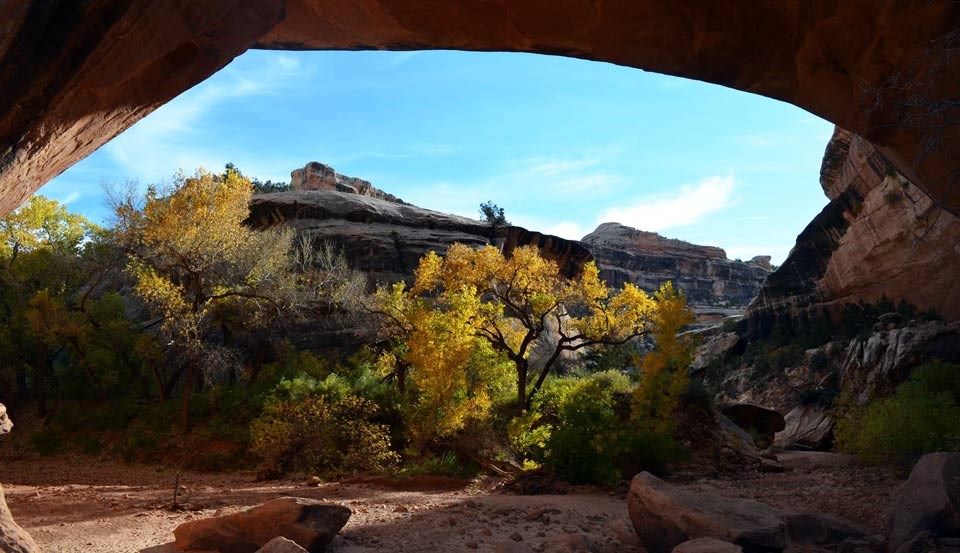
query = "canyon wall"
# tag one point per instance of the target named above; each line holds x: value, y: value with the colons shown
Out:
x: 879, y: 235
x: 714, y: 285
x: 75, y: 74
x: 386, y: 239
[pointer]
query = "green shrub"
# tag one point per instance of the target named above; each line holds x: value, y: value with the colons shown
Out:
x: 445, y: 464
x: 921, y: 416
x: 597, y: 439
x: 319, y: 436
x: 591, y: 438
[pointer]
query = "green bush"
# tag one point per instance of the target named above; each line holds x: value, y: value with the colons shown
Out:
x: 921, y: 416
x: 595, y: 438
x: 315, y: 435
x: 591, y: 437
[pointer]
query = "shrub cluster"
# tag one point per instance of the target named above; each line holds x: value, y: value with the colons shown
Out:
x: 318, y: 436
x: 921, y: 416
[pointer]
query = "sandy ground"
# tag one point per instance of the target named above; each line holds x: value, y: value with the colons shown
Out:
x: 83, y: 505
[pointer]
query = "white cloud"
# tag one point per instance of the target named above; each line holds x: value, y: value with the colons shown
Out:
x: 71, y: 197
x: 690, y: 205
x: 555, y: 167
x: 571, y: 230
x: 165, y: 140
x: 565, y: 229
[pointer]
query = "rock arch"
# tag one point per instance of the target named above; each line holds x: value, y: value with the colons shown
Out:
x: 75, y: 74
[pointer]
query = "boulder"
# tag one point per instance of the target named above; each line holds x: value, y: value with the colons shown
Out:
x: 281, y: 545
x: 714, y: 349
x: 6, y: 425
x: 822, y: 530
x: 310, y: 523
x: 763, y: 421
x: 930, y: 501
x: 707, y: 545
x: 13, y: 538
x: 736, y: 445
x: 806, y: 427
x: 665, y: 517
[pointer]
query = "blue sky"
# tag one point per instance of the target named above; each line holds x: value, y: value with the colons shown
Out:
x: 561, y: 144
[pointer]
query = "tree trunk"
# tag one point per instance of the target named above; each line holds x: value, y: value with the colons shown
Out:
x: 402, y: 379
x: 187, y: 391
x: 521, y: 387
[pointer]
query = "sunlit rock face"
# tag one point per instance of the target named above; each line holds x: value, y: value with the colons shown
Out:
x: 386, y: 240
x: 75, y: 74
x: 318, y: 176
x: 879, y: 235
x: 713, y: 284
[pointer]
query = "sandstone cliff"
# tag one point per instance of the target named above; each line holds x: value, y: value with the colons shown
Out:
x: 879, y: 235
x: 318, y: 176
x: 76, y: 74
x: 386, y: 240
x: 714, y: 285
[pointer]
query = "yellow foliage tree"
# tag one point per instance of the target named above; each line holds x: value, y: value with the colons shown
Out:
x: 665, y: 369
x: 517, y: 302
x: 194, y: 260
x: 454, y: 372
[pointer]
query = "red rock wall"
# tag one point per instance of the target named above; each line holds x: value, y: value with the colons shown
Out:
x: 880, y: 235
x: 75, y: 74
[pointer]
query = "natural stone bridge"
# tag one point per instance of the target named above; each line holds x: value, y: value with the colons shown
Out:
x: 75, y: 74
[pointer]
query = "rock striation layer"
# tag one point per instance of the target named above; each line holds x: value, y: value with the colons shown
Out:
x: 386, y: 239
x: 318, y: 176
x: 879, y: 236
x: 76, y: 74
x: 712, y: 283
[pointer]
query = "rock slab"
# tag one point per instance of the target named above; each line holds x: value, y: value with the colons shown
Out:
x: 281, y: 545
x: 309, y: 523
x: 930, y: 502
x: 665, y: 517
x: 807, y: 427
x: 13, y: 538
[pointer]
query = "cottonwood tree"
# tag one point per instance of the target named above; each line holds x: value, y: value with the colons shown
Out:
x: 665, y: 369
x: 198, y: 266
x: 513, y: 302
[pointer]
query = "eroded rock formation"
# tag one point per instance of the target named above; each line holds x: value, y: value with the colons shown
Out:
x: 13, y: 538
x: 879, y: 235
x: 713, y: 284
x: 318, y: 176
x: 930, y: 503
x: 665, y: 516
x: 75, y: 74
x: 310, y: 523
x: 386, y: 239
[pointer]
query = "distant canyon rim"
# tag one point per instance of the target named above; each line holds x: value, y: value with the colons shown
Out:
x: 77, y: 74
